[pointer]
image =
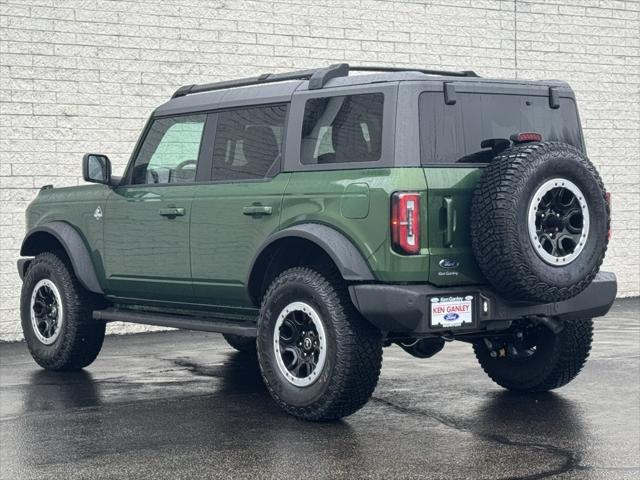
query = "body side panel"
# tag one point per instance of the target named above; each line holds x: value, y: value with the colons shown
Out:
x: 147, y: 254
x: 76, y: 207
x: 225, y: 239
x: 318, y: 197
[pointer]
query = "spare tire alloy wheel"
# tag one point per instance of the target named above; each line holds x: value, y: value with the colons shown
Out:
x: 300, y: 344
x: 558, y: 221
x: 47, y: 311
x: 540, y: 222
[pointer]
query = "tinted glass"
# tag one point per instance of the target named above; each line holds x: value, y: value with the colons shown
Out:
x: 455, y: 133
x: 169, y: 153
x: 248, y: 143
x: 342, y: 129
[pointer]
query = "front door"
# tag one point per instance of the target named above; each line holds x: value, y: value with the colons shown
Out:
x: 234, y: 214
x: 147, y: 218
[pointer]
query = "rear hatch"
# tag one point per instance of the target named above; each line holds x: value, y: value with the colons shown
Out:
x: 456, y: 141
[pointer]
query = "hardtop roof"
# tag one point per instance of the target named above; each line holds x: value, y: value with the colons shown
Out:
x: 282, y: 91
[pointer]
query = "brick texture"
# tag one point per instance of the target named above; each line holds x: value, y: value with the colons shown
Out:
x: 83, y: 75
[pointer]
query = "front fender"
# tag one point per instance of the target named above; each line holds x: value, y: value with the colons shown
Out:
x: 73, y: 245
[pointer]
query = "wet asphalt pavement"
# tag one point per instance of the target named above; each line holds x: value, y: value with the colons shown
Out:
x: 185, y: 405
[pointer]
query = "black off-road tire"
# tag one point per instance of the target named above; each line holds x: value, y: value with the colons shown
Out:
x: 499, y: 222
x: 81, y: 337
x: 354, y: 347
x: 240, y: 343
x: 558, y: 360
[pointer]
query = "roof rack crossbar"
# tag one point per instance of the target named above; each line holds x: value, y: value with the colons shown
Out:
x: 446, y: 73
x: 317, y: 77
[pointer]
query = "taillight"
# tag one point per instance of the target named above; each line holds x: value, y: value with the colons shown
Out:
x: 607, y: 196
x: 524, y: 137
x: 405, y: 222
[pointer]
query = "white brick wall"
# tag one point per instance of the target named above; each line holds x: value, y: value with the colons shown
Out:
x: 82, y: 75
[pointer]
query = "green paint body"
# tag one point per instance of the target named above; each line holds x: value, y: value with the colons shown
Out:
x: 202, y: 259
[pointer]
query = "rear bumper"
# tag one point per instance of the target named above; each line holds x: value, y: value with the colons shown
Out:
x: 405, y: 309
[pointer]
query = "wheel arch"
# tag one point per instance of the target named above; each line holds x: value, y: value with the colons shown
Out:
x: 312, y: 242
x: 61, y: 236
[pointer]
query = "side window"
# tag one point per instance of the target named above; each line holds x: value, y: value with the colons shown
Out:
x: 169, y: 153
x: 342, y: 129
x: 248, y: 143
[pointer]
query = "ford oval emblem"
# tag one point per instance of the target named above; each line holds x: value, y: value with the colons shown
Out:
x: 451, y: 317
x: 449, y: 263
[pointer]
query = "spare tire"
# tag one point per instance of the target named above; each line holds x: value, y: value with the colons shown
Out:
x: 540, y: 222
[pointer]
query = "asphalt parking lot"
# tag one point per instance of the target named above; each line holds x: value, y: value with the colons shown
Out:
x: 185, y: 405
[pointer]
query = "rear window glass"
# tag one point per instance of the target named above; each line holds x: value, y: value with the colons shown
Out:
x: 455, y: 133
x: 342, y: 129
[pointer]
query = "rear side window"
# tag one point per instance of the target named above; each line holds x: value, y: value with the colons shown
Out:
x: 342, y: 129
x: 248, y: 143
x: 455, y: 133
x: 169, y: 153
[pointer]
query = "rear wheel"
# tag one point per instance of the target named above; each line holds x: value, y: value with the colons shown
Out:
x: 240, y: 343
x: 56, y: 315
x: 320, y: 360
x: 535, y: 359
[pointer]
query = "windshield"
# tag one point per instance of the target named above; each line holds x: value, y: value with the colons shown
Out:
x: 478, y: 125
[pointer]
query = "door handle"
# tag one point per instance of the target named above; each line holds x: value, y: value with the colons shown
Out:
x: 171, y: 212
x: 257, y: 210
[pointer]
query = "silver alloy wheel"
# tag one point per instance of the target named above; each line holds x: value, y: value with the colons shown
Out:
x: 46, y: 310
x: 558, y: 221
x: 300, y: 344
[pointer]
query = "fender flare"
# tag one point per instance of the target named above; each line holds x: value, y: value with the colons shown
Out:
x: 350, y: 262
x: 74, y: 247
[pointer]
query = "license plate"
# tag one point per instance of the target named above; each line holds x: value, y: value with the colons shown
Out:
x: 451, y: 312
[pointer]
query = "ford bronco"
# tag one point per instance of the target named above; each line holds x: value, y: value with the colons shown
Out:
x: 317, y: 216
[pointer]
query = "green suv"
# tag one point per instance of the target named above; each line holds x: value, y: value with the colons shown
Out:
x: 315, y: 217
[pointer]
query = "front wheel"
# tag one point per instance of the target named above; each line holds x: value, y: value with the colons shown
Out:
x: 534, y: 358
x: 320, y: 360
x: 57, y: 315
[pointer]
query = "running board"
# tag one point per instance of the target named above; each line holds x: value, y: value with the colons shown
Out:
x: 205, y: 324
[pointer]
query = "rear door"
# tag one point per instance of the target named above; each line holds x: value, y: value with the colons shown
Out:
x: 146, y: 219
x: 240, y: 207
x: 452, y: 154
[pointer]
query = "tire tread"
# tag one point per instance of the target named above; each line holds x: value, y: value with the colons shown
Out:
x: 494, y: 225
x: 82, y: 338
x: 359, y: 357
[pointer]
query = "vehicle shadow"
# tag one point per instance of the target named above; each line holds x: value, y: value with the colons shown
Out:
x: 530, y: 427
x: 531, y: 413
x: 59, y: 391
x: 239, y: 413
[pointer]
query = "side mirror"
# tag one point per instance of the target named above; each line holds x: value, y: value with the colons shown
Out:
x: 96, y: 168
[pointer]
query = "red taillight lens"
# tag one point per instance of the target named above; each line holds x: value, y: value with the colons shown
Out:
x: 405, y: 222
x: 524, y: 137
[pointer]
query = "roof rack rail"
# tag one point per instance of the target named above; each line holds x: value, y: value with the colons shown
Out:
x: 317, y: 77
x: 446, y: 73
